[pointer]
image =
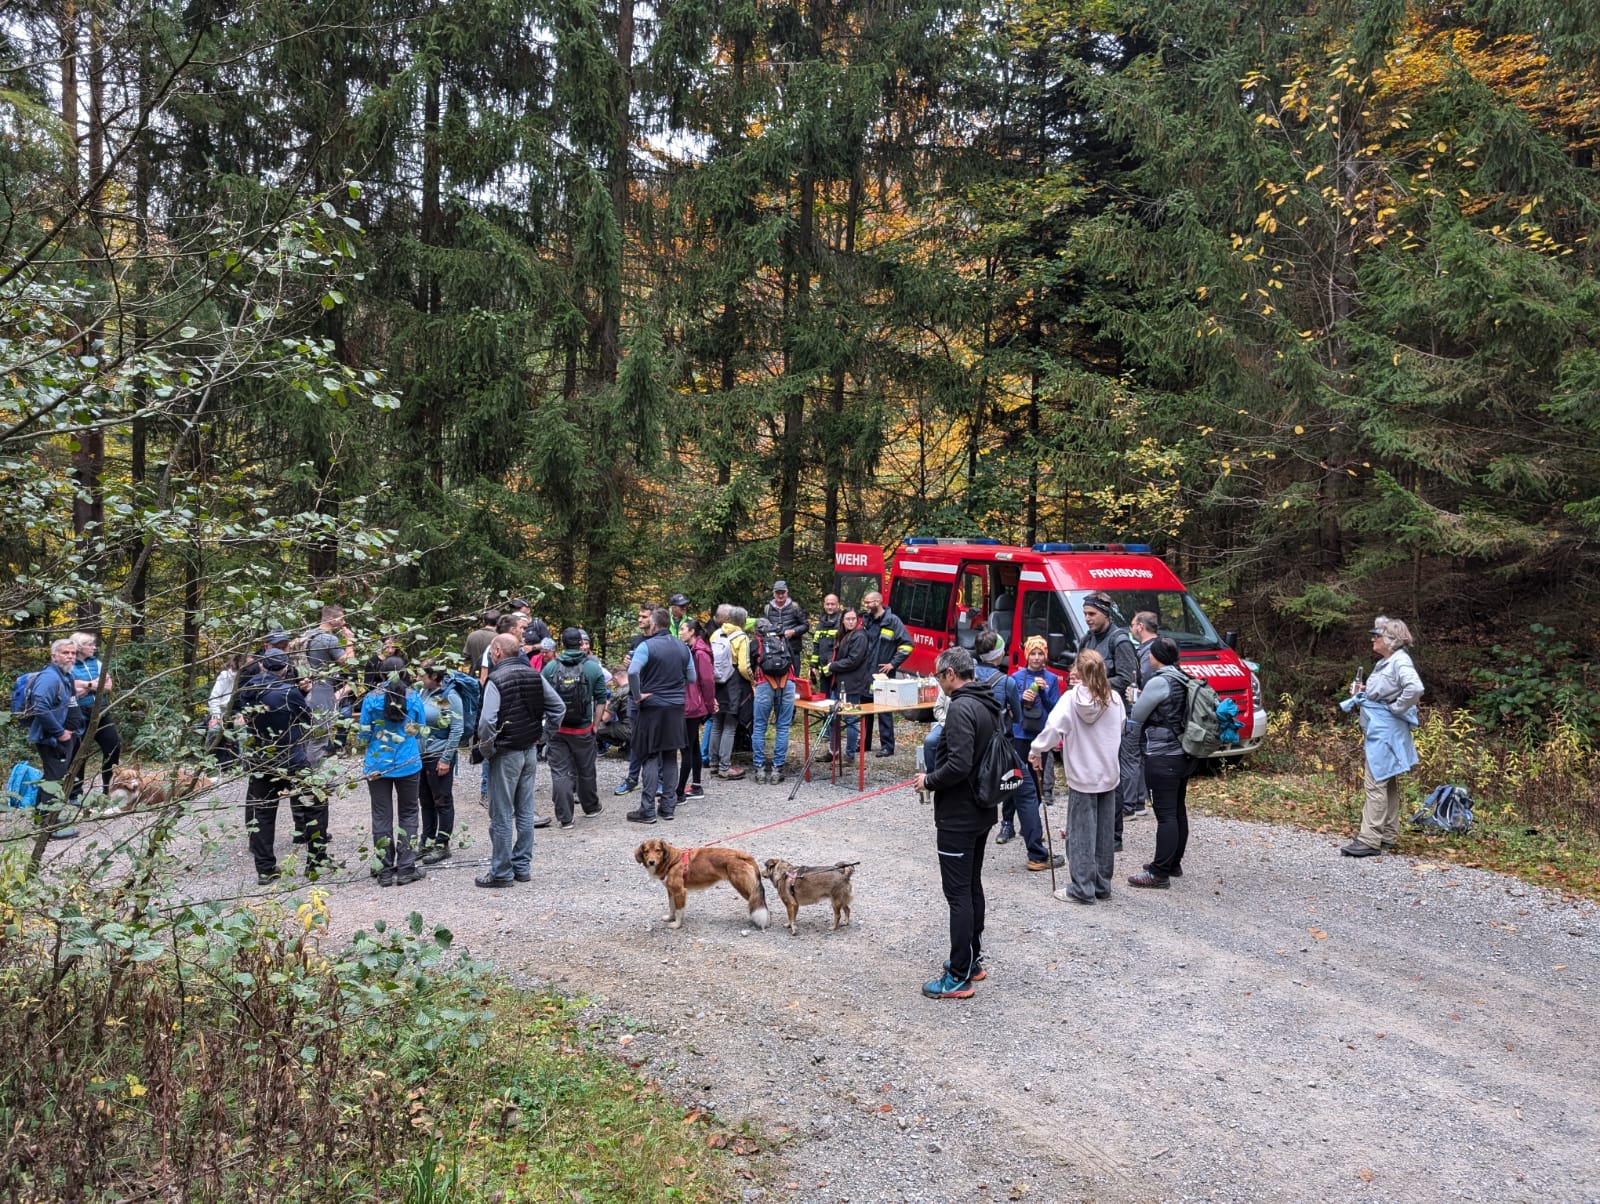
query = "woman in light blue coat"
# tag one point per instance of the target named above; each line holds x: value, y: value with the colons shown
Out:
x: 1388, y: 706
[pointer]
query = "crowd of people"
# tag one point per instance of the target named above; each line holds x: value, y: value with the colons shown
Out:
x: 677, y: 703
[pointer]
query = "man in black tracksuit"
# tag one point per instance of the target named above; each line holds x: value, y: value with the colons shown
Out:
x: 961, y: 818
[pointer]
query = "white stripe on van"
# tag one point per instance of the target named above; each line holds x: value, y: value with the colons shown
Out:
x: 947, y: 569
x: 1030, y: 575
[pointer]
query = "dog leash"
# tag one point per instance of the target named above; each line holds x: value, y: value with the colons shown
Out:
x: 860, y: 798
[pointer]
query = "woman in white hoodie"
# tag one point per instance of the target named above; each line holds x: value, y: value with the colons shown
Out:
x: 1088, y: 724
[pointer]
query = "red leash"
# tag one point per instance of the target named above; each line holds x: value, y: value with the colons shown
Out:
x: 804, y: 815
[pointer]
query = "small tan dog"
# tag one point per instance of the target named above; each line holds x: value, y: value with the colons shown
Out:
x: 800, y: 885
x: 152, y: 787
x: 684, y: 870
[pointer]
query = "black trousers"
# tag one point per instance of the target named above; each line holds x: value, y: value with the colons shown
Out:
x: 262, y: 793
x: 1168, y: 779
x: 961, y: 873
x: 572, y: 774
x: 55, y: 759
x: 690, y: 765
x: 110, y: 745
x: 437, y: 798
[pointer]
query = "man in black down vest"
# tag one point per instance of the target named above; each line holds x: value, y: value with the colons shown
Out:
x: 518, y: 706
x: 659, y: 674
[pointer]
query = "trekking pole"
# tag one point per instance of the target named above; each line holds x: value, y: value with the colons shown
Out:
x: 811, y: 752
x: 1044, y: 808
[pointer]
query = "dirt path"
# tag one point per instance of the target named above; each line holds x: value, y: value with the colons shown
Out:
x: 1284, y: 1023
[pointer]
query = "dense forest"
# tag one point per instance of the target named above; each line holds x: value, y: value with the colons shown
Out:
x: 410, y: 304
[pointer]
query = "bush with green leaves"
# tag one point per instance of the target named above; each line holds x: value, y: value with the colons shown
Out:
x: 1534, y: 690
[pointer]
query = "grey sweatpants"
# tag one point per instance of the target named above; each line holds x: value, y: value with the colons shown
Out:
x: 1130, y: 768
x: 1091, y: 828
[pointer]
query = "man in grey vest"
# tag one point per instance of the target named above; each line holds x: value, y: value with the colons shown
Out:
x: 519, y: 708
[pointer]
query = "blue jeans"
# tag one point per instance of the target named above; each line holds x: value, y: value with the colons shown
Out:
x: 765, y: 696
x: 930, y: 748
x: 1024, y: 804
x: 511, y: 775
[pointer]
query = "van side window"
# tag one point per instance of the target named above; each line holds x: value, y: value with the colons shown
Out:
x: 1045, y: 613
x: 923, y: 604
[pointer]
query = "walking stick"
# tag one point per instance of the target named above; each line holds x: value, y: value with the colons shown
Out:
x: 1050, y: 849
x: 812, y: 751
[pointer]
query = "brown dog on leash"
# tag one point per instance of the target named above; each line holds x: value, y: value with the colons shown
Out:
x: 684, y: 870
x: 799, y: 885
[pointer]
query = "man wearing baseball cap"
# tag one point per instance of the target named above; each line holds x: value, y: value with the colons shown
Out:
x: 678, y: 607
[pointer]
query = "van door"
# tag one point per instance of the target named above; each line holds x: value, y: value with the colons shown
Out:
x: 972, y: 604
x: 1042, y: 611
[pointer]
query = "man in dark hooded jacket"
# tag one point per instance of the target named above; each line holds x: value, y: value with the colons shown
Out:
x: 962, y: 818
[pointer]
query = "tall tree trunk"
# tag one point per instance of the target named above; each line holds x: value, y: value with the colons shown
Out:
x: 794, y: 403
x: 833, y: 453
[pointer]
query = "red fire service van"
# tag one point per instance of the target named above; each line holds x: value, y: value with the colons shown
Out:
x: 945, y: 589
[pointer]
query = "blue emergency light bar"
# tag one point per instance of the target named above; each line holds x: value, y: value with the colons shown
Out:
x: 916, y: 541
x: 1141, y: 549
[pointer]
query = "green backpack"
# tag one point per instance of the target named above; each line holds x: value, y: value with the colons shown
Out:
x: 1201, y: 734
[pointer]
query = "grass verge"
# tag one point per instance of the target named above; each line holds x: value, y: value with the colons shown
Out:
x: 1534, y: 807
x: 538, y: 1113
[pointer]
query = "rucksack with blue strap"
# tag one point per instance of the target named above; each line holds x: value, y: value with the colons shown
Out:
x: 22, y: 785
x: 1447, y: 809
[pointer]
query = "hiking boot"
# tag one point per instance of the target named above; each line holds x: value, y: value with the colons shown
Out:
x: 1057, y: 862
x: 1148, y: 880
x: 542, y: 822
x: 439, y: 852
x: 268, y: 878
x: 664, y: 814
x: 777, y: 777
x: 732, y: 775
x: 695, y: 791
x: 566, y: 825
x: 385, y: 877
x: 948, y: 986
x: 491, y: 882
x: 1008, y: 832
x: 627, y: 787
x: 516, y: 877
x: 889, y: 752
x: 406, y: 877
x: 1172, y: 873
x: 977, y: 975
x: 760, y: 775
x: 1356, y: 849
x: 641, y: 816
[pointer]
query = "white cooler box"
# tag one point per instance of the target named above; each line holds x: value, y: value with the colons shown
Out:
x: 895, y: 691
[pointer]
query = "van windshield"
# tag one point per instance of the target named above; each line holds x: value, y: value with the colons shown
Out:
x: 1178, y: 617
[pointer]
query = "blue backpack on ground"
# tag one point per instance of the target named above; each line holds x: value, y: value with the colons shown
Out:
x: 1447, y: 809
x: 471, y: 694
x: 22, y: 785
x: 21, y: 704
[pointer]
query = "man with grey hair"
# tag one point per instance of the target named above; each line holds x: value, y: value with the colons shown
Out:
x: 1387, y: 702
x: 519, y: 707
x: 51, y: 699
x: 962, y: 818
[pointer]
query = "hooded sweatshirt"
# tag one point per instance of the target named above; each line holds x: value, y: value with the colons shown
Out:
x: 969, y: 726
x: 1090, y: 734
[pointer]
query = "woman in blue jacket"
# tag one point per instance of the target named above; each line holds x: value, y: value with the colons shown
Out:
x: 1039, y: 690
x: 393, y: 717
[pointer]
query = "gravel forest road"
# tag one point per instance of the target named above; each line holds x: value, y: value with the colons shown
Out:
x: 1282, y: 1024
